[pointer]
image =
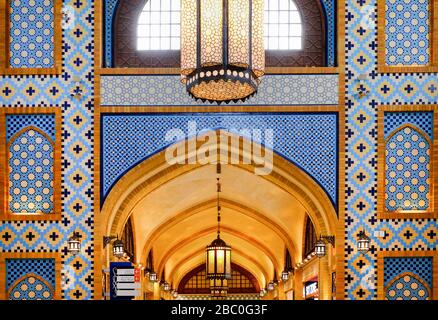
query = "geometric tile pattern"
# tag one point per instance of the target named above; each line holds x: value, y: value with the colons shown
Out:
x: 407, y: 32
x: 361, y: 151
x: 166, y: 90
x: 419, y: 266
x: 421, y: 120
x: 407, y: 182
x: 32, y: 34
x: 329, y: 7
x: 31, y: 173
x: 77, y: 154
x: 17, y: 122
x: 18, y: 268
x: 308, y: 140
x: 31, y: 288
x: 407, y: 287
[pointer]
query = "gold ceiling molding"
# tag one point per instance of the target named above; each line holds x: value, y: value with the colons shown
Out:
x: 226, y: 203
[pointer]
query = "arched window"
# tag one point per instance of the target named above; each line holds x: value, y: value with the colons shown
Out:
x: 283, y: 29
x: 128, y: 239
x: 147, y: 33
x: 150, y: 262
x: 195, y: 282
x: 309, y: 238
x: 159, y: 26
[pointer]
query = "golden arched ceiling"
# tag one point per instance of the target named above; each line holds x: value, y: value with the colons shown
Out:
x: 173, y: 210
x: 242, y: 187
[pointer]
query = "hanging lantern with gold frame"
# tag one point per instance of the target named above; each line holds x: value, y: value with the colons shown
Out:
x: 222, y: 48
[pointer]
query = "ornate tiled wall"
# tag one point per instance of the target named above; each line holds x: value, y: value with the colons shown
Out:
x: 77, y: 145
x: 329, y: 10
x: 308, y: 140
x: 361, y: 151
x: 31, y: 38
x: 408, y: 278
x: 407, y: 32
x: 168, y: 91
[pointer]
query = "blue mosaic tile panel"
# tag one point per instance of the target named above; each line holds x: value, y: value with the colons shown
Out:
x: 308, y: 140
x: 31, y: 34
x: 168, y: 91
x: 407, y: 32
x: 407, y: 182
x: 17, y: 122
x: 420, y: 266
x: 18, y: 268
x: 31, y: 288
x: 31, y: 174
x: 421, y: 120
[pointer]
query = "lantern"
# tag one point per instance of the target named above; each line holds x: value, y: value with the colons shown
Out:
x: 118, y: 250
x: 320, y: 248
x: 166, y: 286
x: 74, y: 244
x: 153, y: 276
x: 285, y: 275
x: 222, y: 48
x: 271, y: 286
x: 218, y: 260
x: 218, y: 253
x: 363, y: 242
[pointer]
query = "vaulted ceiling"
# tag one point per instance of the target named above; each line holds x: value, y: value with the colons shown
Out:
x: 178, y: 219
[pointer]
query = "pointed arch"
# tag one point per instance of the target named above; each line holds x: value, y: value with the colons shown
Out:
x: 407, y: 286
x: 31, y: 287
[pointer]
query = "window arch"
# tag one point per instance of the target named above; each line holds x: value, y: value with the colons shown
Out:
x: 128, y: 239
x: 283, y: 25
x: 309, y: 238
x: 146, y: 34
x: 159, y: 26
x: 195, y: 282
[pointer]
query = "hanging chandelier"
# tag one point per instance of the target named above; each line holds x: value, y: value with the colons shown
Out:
x: 222, y: 49
x: 218, y: 256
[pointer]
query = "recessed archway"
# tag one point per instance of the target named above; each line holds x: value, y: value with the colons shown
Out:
x: 173, y: 209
